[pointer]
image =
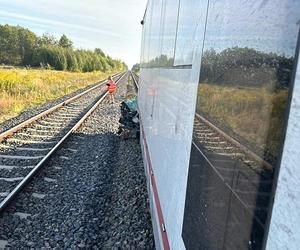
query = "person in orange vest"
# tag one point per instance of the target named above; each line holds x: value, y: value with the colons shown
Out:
x: 111, y: 88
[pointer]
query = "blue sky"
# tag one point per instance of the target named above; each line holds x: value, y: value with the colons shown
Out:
x: 112, y: 25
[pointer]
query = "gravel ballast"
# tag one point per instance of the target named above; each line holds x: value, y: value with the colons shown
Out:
x: 91, y: 195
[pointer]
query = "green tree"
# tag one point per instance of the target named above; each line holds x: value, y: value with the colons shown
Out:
x: 99, y: 52
x: 51, y: 55
x: 65, y: 42
x: 9, y: 47
x: 104, y: 65
x: 72, y: 64
x: 27, y: 45
x: 16, y: 45
x: 47, y: 40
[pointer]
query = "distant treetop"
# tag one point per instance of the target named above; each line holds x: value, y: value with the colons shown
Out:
x: 65, y: 42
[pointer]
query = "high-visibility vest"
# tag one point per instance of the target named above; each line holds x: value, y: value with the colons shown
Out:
x: 112, y: 87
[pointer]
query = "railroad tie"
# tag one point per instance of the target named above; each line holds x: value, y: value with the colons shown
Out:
x: 58, y: 120
x: 22, y: 157
x: 11, y: 179
x: 73, y: 111
x: 218, y: 148
x: 56, y: 125
x: 65, y: 114
x: 6, y: 167
x: 41, y: 130
x: 37, y: 136
x: 203, y: 130
x: 208, y: 138
x: 205, y: 134
x: 231, y: 154
x: 213, y: 142
x: 46, y: 126
x: 32, y: 149
x: 29, y: 141
x: 23, y: 148
x: 50, y: 123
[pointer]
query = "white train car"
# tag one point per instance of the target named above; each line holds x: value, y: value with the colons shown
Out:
x: 219, y: 101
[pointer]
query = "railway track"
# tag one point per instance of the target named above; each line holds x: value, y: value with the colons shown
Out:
x: 214, y: 140
x: 26, y: 147
x: 239, y: 171
x: 135, y: 79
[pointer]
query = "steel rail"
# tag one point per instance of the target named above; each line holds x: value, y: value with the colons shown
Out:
x: 231, y: 140
x: 133, y: 75
x: 24, y: 124
x: 37, y: 167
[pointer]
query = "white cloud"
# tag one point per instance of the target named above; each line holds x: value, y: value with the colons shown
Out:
x: 65, y: 25
x: 113, y: 26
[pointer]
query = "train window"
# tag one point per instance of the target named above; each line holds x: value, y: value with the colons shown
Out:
x: 245, y: 79
x: 186, y: 27
x: 154, y: 38
x: 169, y: 26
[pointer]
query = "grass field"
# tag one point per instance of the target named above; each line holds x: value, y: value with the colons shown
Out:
x: 21, y: 89
x: 256, y: 114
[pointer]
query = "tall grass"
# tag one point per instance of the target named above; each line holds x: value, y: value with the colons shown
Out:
x: 256, y: 114
x: 21, y: 89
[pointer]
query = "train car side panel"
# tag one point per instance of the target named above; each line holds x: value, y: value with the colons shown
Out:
x: 284, y: 229
x: 167, y: 98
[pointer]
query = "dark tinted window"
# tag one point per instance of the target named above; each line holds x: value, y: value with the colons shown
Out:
x: 246, y: 70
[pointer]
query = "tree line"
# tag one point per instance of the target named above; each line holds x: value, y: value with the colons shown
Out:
x: 245, y: 67
x: 161, y: 61
x: 22, y: 47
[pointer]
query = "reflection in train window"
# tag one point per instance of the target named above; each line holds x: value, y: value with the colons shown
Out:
x: 186, y: 31
x: 154, y: 38
x: 169, y: 26
x: 245, y: 78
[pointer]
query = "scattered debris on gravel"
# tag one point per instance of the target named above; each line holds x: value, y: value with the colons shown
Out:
x: 130, y: 126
